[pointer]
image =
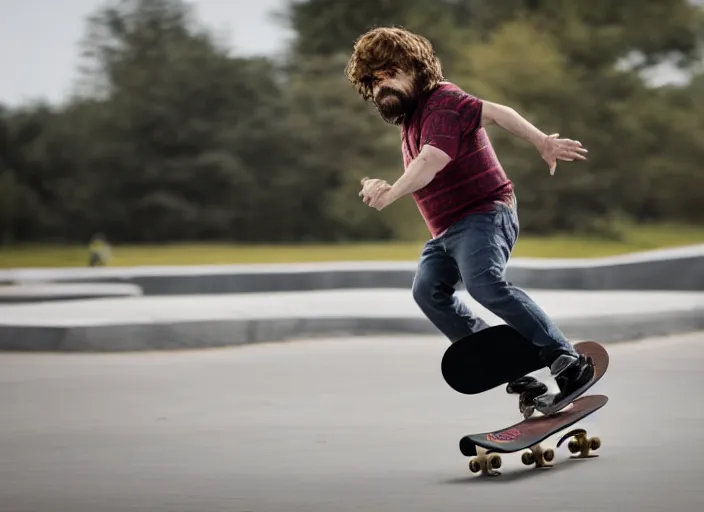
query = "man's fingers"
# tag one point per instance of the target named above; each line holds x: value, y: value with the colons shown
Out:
x: 370, y: 195
x: 566, y: 150
x: 573, y: 145
x: 571, y: 156
x: 369, y: 187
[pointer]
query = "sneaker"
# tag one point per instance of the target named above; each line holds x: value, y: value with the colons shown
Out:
x: 573, y: 376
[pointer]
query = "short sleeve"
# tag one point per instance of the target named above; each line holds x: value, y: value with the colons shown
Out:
x: 472, y: 113
x: 442, y: 130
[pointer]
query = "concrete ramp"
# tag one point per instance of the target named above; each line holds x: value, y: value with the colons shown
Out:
x: 177, y: 322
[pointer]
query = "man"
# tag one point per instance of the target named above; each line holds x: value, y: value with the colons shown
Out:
x: 463, y: 194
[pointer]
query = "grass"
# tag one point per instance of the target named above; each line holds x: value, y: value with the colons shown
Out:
x: 636, y: 239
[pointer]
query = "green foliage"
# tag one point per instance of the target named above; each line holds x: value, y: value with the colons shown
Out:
x: 175, y: 139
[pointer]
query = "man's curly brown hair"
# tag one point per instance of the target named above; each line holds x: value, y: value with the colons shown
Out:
x: 392, y: 48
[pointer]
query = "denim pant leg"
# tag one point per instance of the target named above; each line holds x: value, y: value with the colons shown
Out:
x: 482, y: 244
x: 434, y: 292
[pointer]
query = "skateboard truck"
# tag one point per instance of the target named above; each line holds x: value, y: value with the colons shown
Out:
x: 485, y: 462
x: 541, y: 458
x: 580, y: 444
x: 488, y: 463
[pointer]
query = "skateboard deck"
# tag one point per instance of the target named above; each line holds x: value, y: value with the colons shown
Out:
x: 529, y: 433
x: 499, y: 355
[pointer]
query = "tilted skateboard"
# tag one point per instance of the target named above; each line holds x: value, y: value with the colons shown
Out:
x: 529, y: 433
x: 500, y: 355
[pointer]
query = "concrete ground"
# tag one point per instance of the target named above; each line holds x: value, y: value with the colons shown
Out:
x: 330, y: 425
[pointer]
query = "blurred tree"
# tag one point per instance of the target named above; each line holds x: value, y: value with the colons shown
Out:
x: 569, y: 67
x: 343, y: 140
x: 672, y: 167
x: 597, y: 34
x: 199, y: 131
x: 323, y: 28
x: 346, y: 137
x: 27, y: 172
x: 174, y: 138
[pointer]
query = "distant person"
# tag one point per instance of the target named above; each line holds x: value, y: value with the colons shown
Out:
x: 462, y: 192
x: 99, y: 250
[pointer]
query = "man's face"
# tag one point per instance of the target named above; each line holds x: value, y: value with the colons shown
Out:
x: 394, y: 94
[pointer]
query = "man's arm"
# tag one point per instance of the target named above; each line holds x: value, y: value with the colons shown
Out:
x: 420, y: 172
x: 549, y: 146
x: 440, y: 133
x: 511, y: 121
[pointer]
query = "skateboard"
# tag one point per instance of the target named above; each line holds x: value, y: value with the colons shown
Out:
x: 500, y: 355
x: 528, y: 435
x: 467, y: 368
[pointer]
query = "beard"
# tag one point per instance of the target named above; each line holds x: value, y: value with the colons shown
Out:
x: 393, y: 106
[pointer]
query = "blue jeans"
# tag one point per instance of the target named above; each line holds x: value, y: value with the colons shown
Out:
x: 476, y: 250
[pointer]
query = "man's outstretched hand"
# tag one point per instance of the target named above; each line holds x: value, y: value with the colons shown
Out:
x: 553, y: 149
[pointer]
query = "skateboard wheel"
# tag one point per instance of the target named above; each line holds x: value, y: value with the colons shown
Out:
x: 548, y: 455
x: 474, y: 466
x: 495, y: 462
x: 573, y: 446
x: 594, y: 443
x: 527, y: 458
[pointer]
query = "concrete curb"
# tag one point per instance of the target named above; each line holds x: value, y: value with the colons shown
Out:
x: 235, y: 332
x: 51, y: 292
x: 672, y: 269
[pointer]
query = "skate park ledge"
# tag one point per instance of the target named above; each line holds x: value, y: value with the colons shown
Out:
x: 677, y: 269
x: 138, y: 323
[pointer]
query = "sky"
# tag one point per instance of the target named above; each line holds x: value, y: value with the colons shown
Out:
x: 39, y: 39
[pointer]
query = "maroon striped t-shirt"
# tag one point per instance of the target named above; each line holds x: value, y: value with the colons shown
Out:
x: 450, y: 119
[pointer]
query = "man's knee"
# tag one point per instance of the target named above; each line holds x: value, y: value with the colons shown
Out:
x: 489, y: 289
x: 422, y: 290
x: 430, y: 294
